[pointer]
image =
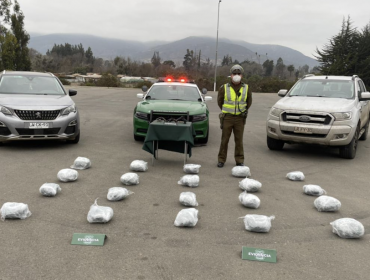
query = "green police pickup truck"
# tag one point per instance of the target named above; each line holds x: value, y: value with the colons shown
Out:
x: 172, y: 100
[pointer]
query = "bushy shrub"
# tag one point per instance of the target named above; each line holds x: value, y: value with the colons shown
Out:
x: 144, y: 83
x: 64, y: 82
x: 107, y: 80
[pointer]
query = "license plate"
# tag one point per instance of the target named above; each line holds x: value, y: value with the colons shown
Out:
x: 38, y: 125
x: 302, y: 130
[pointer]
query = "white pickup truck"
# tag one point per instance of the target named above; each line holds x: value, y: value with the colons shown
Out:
x: 323, y: 110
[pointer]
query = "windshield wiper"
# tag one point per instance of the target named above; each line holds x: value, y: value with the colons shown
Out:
x: 178, y: 99
x: 316, y: 95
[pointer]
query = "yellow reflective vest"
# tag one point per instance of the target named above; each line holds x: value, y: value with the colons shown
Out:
x: 232, y: 103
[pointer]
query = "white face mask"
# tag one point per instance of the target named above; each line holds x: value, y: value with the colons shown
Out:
x: 236, y: 79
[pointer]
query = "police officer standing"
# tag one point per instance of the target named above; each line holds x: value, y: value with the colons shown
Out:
x: 234, y: 99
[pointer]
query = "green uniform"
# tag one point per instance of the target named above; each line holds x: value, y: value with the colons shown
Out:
x: 232, y: 105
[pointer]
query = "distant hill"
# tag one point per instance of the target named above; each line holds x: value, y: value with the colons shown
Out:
x: 108, y: 48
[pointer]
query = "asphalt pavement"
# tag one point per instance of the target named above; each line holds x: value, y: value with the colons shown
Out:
x: 142, y: 241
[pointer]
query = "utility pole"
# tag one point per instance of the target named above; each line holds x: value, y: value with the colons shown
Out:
x: 218, y: 17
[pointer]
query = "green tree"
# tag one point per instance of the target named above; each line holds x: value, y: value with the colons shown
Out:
x: 189, y: 60
x: 280, y: 66
x: 290, y: 68
x: 156, y: 59
x: 340, y: 55
x: 22, y: 60
x: 268, y: 65
x: 89, y: 56
x: 8, y: 54
x: 169, y: 63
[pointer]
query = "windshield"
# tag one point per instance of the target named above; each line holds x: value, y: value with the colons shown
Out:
x: 30, y: 85
x: 324, y: 88
x: 173, y: 92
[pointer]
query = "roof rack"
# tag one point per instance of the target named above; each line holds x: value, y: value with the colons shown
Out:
x: 308, y: 75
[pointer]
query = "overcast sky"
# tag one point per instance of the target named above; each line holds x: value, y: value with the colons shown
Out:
x: 298, y: 24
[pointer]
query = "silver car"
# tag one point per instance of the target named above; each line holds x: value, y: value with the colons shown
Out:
x: 35, y: 106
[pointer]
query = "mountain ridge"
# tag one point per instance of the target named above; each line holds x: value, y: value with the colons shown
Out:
x: 109, y: 48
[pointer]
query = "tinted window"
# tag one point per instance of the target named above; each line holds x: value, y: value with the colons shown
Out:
x: 323, y: 88
x: 173, y: 92
x: 30, y: 85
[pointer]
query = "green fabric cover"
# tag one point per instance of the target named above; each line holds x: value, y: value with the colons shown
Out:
x: 171, y: 137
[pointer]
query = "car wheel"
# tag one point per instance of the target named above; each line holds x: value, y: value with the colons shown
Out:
x: 364, y: 135
x: 274, y: 144
x: 76, y: 140
x: 349, y: 151
x: 205, y: 139
x: 138, y: 138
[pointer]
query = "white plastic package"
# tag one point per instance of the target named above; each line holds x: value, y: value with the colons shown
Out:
x: 187, y: 218
x: 139, y: 166
x: 130, y: 179
x: 81, y: 163
x: 295, y: 176
x: 250, y: 185
x: 14, y: 210
x: 188, y: 199
x: 249, y: 200
x: 191, y: 181
x: 348, y: 228
x: 118, y: 193
x: 326, y: 203
x: 50, y: 189
x: 67, y: 175
x: 191, y: 168
x: 241, y: 171
x: 99, y: 214
x: 258, y: 223
x: 314, y: 190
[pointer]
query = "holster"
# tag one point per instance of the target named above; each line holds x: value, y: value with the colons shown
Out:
x: 221, y: 116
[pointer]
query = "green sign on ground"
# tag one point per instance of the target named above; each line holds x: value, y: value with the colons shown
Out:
x: 88, y: 239
x: 256, y: 254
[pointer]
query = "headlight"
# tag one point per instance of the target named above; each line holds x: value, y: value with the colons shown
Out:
x: 5, y: 111
x: 199, y: 118
x: 142, y: 116
x: 275, y: 112
x: 70, y: 109
x: 342, y: 116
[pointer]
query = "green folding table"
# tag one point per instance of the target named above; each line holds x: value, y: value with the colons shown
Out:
x: 170, y: 136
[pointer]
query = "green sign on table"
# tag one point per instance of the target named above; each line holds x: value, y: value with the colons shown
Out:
x: 88, y: 239
x: 256, y: 254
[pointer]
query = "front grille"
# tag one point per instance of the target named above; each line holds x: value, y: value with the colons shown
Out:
x: 313, y: 135
x: 4, y: 131
x: 182, y: 115
x: 46, y: 131
x: 37, y: 115
x: 70, y: 130
x: 312, y: 118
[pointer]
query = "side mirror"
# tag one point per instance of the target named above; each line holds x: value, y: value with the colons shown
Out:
x: 72, y: 92
x: 282, y: 92
x: 140, y: 95
x: 364, y: 96
x: 207, y: 98
x: 204, y: 90
x: 144, y: 88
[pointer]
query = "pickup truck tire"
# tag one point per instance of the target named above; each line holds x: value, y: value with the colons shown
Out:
x: 274, y: 144
x: 364, y: 135
x: 349, y: 151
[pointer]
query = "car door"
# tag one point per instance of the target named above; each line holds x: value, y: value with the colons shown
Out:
x: 364, y: 104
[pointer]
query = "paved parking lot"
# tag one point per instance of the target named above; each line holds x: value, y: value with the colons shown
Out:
x: 142, y: 241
